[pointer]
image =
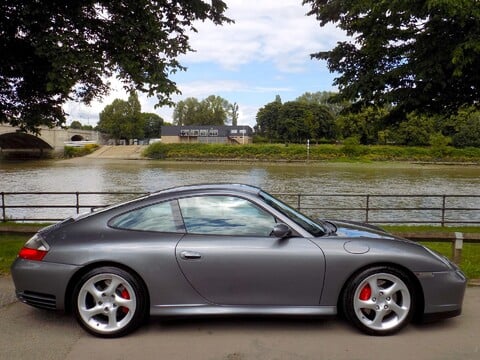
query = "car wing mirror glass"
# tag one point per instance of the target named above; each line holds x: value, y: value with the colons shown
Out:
x: 281, y: 231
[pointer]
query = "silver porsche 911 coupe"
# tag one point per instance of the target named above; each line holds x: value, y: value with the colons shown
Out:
x: 230, y: 249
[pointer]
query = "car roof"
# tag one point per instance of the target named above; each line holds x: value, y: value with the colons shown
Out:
x: 245, y: 188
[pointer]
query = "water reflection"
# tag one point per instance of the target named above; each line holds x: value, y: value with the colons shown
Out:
x: 147, y: 176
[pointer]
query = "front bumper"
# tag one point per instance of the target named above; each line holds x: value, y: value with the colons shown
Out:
x: 40, y: 283
x: 443, y: 293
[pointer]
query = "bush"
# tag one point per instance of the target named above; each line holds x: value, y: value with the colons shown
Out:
x: 71, y: 151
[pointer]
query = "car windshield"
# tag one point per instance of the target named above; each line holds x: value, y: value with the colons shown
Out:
x: 305, y: 222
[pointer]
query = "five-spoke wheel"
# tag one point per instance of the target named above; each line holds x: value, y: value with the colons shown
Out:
x: 379, y: 300
x: 109, y: 302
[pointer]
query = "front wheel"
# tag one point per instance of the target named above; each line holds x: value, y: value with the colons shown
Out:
x: 109, y: 302
x: 379, y: 300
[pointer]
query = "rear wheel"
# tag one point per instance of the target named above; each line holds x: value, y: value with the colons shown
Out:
x: 109, y: 302
x: 379, y: 300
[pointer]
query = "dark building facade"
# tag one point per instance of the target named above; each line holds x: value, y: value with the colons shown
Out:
x: 208, y: 134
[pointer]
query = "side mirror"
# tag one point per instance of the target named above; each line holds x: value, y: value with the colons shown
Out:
x: 281, y: 230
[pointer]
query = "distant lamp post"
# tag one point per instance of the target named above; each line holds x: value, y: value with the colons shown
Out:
x: 308, y: 149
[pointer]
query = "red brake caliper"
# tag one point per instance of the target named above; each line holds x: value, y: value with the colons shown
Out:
x: 365, y: 293
x: 124, y: 294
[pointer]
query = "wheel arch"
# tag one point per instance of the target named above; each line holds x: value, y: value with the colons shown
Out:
x: 419, y: 295
x: 82, y: 271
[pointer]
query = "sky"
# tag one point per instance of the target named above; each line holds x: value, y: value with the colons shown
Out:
x: 265, y: 53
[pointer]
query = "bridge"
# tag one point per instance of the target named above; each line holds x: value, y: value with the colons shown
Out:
x: 11, y: 138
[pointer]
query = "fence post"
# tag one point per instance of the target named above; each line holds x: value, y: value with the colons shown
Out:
x: 457, y: 248
x: 367, y: 208
x: 77, y: 203
x: 443, y: 209
x: 4, y: 217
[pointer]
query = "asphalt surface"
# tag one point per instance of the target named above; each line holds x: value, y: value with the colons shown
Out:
x: 28, y: 333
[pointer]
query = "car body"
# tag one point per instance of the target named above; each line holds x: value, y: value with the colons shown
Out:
x: 230, y: 249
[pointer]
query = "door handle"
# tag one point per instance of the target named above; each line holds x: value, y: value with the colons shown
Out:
x: 189, y: 255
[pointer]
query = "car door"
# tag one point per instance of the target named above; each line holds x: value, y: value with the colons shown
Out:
x: 229, y: 257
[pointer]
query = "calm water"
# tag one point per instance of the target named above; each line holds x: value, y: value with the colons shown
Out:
x: 146, y: 176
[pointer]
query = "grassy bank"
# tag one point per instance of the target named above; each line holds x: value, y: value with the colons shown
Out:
x: 322, y: 152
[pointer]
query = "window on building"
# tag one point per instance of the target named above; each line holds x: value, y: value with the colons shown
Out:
x: 194, y: 132
x: 203, y: 133
x: 184, y: 132
x: 213, y: 132
x: 234, y: 131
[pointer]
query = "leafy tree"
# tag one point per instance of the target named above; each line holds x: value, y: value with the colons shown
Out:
x: 365, y: 125
x: 468, y: 128
x: 234, y: 114
x: 76, y: 125
x: 415, y: 131
x: 213, y: 110
x: 295, y: 121
x: 268, y: 119
x: 152, y: 125
x: 54, y: 51
x: 325, y: 98
x: 185, y: 111
x: 420, y: 55
x: 122, y: 119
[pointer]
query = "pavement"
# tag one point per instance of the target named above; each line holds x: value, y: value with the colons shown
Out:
x: 130, y: 152
x: 29, y: 333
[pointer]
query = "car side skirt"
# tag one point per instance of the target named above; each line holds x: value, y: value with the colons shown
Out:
x: 226, y: 310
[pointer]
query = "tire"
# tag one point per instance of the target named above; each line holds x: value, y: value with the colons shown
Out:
x: 379, y: 300
x: 109, y: 302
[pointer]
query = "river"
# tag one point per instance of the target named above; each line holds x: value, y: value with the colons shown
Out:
x: 85, y: 174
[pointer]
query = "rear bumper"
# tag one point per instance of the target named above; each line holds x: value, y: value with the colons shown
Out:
x: 40, y: 283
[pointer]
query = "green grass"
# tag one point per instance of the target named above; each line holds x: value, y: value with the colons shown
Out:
x: 321, y: 152
x: 426, y: 228
x: 10, y: 244
x: 470, y: 263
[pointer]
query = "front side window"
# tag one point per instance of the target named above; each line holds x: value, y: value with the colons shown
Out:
x: 225, y: 215
x: 159, y: 217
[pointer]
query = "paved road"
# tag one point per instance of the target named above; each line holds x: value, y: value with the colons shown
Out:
x: 28, y: 333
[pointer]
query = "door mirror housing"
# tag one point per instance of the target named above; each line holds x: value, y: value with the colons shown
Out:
x: 281, y: 230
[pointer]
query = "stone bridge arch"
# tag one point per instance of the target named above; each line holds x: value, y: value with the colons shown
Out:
x: 23, y: 141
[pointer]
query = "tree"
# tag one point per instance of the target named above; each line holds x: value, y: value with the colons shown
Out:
x: 76, y: 124
x: 364, y: 125
x: 419, y: 56
x: 268, y: 118
x: 294, y: 121
x: 212, y: 110
x: 185, y: 111
x: 325, y: 98
x: 234, y: 114
x: 122, y: 119
x: 56, y: 51
x: 152, y: 125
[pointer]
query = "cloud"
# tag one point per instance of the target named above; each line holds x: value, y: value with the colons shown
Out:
x: 264, y: 31
x: 271, y: 41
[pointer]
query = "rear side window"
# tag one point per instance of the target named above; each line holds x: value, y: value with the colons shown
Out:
x: 159, y: 217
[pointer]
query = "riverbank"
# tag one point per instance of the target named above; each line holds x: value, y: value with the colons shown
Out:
x: 322, y: 152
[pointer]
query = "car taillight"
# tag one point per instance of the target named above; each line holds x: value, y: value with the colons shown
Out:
x: 34, y: 249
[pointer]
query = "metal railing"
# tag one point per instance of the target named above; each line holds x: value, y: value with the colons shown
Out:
x: 371, y: 208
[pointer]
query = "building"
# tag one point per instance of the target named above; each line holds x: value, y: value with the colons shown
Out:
x: 207, y: 134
